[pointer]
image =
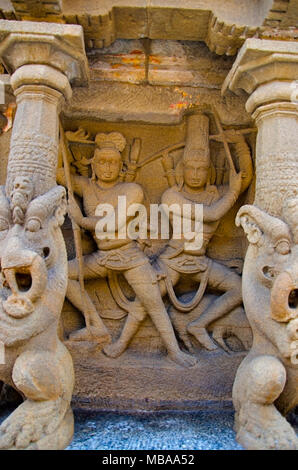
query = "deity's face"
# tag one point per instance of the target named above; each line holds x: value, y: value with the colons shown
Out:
x: 107, y: 165
x: 195, y: 173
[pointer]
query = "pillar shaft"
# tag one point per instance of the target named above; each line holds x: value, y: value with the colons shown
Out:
x: 44, y: 62
x: 276, y: 155
x: 267, y: 70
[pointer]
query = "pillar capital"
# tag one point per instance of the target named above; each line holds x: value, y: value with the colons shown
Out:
x: 35, y: 76
x: 268, y: 70
x: 45, y: 60
x: 261, y: 61
x: 55, y: 45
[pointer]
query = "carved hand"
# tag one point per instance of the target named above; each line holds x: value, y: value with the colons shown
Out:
x: 74, y: 211
x: 232, y: 136
x: 235, y: 181
x: 167, y: 162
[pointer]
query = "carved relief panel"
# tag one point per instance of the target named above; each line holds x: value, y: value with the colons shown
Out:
x: 150, y: 295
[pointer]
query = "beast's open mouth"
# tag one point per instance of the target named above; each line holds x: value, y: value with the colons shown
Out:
x: 23, y: 281
x: 18, y: 279
x: 284, y: 298
x: 293, y: 298
x: 27, y: 283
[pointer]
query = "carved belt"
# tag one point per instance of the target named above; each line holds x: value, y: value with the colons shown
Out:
x: 182, y: 266
x: 121, y: 259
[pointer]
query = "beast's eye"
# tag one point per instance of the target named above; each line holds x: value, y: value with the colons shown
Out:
x: 4, y: 225
x: 269, y: 272
x: 283, y: 247
x: 33, y: 225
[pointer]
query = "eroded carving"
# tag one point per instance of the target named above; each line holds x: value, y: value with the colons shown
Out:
x: 37, y: 364
x: 191, y: 183
x: 265, y: 389
x: 32, y: 152
x: 116, y: 255
x: 193, y: 176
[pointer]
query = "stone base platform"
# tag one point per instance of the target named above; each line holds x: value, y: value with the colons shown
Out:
x: 135, y: 382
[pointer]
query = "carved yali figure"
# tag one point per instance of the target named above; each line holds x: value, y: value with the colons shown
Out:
x: 35, y: 362
x: 266, y: 384
x: 116, y: 255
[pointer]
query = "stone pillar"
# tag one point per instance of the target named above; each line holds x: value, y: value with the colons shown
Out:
x: 265, y: 386
x: 268, y: 71
x: 45, y: 60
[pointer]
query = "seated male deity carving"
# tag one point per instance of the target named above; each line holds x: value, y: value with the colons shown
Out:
x: 116, y: 255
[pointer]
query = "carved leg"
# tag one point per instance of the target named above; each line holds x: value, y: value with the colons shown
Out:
x: 44, y: 420
x: 143, y: 281
x: 136, y: 316
x: 222, y: 279
x: 259, y: 425
x: 97, y: 330
x: 134, y: 320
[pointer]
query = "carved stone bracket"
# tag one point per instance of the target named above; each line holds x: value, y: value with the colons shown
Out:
x: 224, y: 26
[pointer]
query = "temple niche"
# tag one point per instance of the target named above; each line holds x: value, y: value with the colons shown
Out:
x: 160, y: 127
x: 165, y: 106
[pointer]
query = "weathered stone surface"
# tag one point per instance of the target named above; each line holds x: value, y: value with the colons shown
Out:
x: 151, y: 323
x: 265, y: 387
x: 156, y: 105
x: 186, y: 64
x: 59, y: 46
x: 124, y: 61
x: 224, y: 26
x: 33, y: 256
x: 105, y: 384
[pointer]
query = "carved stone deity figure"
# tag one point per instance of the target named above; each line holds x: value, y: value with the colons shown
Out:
x: 193, y: 187
x: 115, y: 254
x: 193, y: 174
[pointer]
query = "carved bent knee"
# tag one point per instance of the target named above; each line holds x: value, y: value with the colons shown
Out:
x: 37, y: 376
x: 260, y: 381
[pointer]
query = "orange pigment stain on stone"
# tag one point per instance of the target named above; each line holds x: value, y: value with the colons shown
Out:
x: 131, y: 60
x: 154, y: 59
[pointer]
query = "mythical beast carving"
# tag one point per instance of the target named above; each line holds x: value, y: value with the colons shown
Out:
x: 266, y: 385
x: 33, y: 286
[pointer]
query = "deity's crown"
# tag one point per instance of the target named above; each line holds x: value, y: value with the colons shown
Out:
x: 197, y: 139
x: 201, y: 155
x: 114, y: 141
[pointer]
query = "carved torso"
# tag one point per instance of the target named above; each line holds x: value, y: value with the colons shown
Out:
x: 207, y: 197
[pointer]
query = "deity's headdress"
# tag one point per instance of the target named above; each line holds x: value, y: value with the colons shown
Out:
x: 112, y: 142
x: 197, y: 145
x: 197, y: 139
